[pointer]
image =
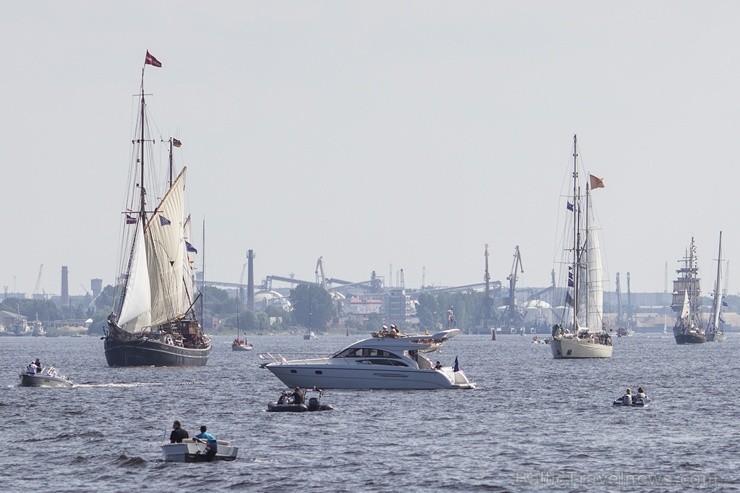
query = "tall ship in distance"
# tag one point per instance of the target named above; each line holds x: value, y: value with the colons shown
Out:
x: 687, y: 301
x: 153, y: 322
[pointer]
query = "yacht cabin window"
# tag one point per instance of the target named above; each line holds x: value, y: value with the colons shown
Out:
x: 384, y: 362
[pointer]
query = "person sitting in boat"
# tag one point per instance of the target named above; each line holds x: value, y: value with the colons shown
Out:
x: 627, y: 398
x: 178, y: 433
x: 31, y: 368
x: 283, y: 398
x: 384, y: 331
x: 38, y: 366
x: 641, y: 394
x: 298, y: 397
x: 211, y: 442
x: 394, y: 331
x: 437, y: 365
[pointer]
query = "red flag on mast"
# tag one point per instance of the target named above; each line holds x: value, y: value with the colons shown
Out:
x: 150, y: 60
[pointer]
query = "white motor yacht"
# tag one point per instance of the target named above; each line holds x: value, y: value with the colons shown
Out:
x: 384, y: 361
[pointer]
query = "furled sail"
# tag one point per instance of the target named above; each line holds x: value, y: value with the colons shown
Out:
x: 188, y: 270
x: 595, y: 286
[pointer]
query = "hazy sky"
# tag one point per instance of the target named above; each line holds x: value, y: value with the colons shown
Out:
x: 374, y: 133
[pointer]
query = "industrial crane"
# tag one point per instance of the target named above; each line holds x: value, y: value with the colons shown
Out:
x: 620, y: 317
x: 320, y: 278
x: 512, y: 317
x: 37, y: 289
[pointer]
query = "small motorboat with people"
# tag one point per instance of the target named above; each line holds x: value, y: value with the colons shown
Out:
x: 35, y: 376
x: 540, y: 340
x: 196, y: 450
x: 310, y: 400
x: 241, y: 345
x: 640, y: 399
x: 387, y: 360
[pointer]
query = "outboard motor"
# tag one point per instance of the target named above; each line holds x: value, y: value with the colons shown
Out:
x: 313, y: 404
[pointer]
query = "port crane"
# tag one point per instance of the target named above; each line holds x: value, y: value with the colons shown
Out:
x: 512, y: 317
x: 37, y: 288
x: 320, y: 277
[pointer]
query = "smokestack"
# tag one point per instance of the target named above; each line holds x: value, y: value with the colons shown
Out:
x: 250, y: 279
x: 65, y: 285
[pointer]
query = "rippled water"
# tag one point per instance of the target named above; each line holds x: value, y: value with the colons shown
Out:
x: 534, y: 423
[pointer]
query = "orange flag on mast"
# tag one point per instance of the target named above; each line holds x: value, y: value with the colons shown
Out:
x: 596, y: 182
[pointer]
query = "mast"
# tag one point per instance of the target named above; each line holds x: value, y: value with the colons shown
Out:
x: 619, y: 300
x: 171, y: 165
x: 630, y: 317
x: 587, y: 263
x: 203, y: 272
x: 142, y: 207
x: 576, y: 234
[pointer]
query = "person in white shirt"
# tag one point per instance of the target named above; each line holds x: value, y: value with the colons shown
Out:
x: 627, y: 398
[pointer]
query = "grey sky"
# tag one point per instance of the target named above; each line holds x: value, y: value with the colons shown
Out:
x: 374, y: 133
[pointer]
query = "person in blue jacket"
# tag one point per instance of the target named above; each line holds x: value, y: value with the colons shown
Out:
x: 212, y: 444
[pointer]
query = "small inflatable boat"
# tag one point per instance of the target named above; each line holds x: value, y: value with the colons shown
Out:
x: 314, y: 404
x: 636, y: 401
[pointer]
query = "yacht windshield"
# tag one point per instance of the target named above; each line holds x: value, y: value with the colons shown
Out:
x: 364, y: 353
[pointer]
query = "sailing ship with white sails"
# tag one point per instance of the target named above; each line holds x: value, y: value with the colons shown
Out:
x: 687, y: 301
x: 581, y: 333
x: 153, y: 322
x: 715, y: 333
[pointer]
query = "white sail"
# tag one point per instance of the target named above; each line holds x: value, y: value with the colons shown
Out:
x: 136, y: 307
x: 717, y: 308
x: 165, y: 248
x: 686, y: 310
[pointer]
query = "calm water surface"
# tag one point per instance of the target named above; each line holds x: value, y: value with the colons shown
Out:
x: 533, y: 423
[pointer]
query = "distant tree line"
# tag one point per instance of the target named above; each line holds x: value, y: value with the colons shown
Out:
x: 312, y: 307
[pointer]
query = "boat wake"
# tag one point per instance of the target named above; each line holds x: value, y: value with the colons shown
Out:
x: 132, y: 384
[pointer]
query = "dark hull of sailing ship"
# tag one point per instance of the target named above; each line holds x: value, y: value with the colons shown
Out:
x: 689, y: 337
x: 147, y: 350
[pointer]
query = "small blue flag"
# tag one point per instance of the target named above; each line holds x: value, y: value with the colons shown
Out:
x: 163, y: 221
x: 569, y: 206
x: 456, y: 367
x: 190, y: 247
